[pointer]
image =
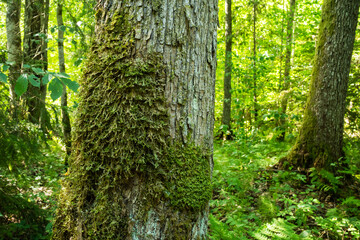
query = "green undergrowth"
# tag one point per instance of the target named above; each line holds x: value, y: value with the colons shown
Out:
x: 252, y: 200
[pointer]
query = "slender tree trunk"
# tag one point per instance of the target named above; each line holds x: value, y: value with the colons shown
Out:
x: 142, y: 151
x: 320, y: 141
x: 254, y: 64
x: 14, y: 48
x: 285, y: 90
x: 33, y: 55
x: 281, y: 47
x: 66, y: 126
x: 226, y: 117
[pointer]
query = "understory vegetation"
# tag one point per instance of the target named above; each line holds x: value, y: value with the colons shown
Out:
x: 254, y: 200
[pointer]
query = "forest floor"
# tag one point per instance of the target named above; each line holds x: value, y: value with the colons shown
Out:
x: 252, y: 200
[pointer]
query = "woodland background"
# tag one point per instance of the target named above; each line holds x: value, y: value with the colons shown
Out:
x: 251, y: 200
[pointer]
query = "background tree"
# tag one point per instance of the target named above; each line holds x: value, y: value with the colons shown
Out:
x: 34, y: 56
x: 143, y: 146
x: 66, y: 125
x: 226, y: 116
x: 286, y: 84
x: 13, y: 48
x: 320, y: 142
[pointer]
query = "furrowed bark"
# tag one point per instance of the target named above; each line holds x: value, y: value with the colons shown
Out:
x: 320, y: 142
x: 142, y: 151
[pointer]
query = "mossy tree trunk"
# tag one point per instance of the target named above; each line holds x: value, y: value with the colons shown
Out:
x: 13, y: 35
x: 66, y: 125
x: 142, y: 151
x: 226, y: 116
x: 34, y: 56
x: 320, y: 141
x: 285, y: 89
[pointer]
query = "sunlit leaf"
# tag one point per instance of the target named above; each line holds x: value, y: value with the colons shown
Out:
x: 74, y: 86
x: 3, y: 77
x: 35, y: 81
x: 55, y: 88
x: 21, y: 85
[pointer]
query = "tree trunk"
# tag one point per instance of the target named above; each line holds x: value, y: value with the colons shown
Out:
x: 66, y: 126
x: 44, y: 117
x: 142, y: 151
x: 226, y: 117
x: 285, y: 90
x: 320, y: 141
x: 254, y: 64
x: 33, y: 55
x: 14, y: 48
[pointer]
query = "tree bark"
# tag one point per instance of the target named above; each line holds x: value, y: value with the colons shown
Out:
x: 66, y: 125
x: 285, y: 90
x: 34, y: 56
x: 254, y: 63
x: 226, y: 117
x: 142, y: 151
x: 44, y: 117
x: 14, y: 48
x: 320, y: 142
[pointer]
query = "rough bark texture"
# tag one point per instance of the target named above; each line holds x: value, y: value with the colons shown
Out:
x: 142, y: 151
x: 320, y: 140
x: 13, y: 47
x: 285, y: 90
x: 34, y: 56
x: 66, y: 125
x: 226, y: 117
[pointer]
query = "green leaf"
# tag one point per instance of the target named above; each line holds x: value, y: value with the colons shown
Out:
x: 61, y: 75
x: 56, y: 88
x: 35, y: 81
x: 10, y: 63
x: 6, y: 67
x: 21, y: 85
x: 62, y: 28
x: 3, y: 77
x: 46, y: 78
x: 38, y: 71
x: 78, y: 62
x: 26, y: 66
x: 74, y: 86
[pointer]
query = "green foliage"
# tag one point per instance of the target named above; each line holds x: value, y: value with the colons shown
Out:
x: 251, y: 202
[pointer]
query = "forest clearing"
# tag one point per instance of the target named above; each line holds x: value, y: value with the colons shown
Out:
x: 179, y: 119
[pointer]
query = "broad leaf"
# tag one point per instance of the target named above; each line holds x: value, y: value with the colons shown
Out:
x: 21, y: 85
x: 61, y: 75
x: 35, y: 81
x: 46, y: 78
x: 56, y: 88
x: 3, y: 77
x: 6, y: 67
x: 74, y: 86
x: 38, y: 71
x: 26, y: 66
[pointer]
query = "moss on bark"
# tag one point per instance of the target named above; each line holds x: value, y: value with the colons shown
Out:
x: 122, y: 143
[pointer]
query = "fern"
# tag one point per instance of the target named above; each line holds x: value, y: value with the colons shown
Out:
x: 325, y: 181
x: 277, y: 229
